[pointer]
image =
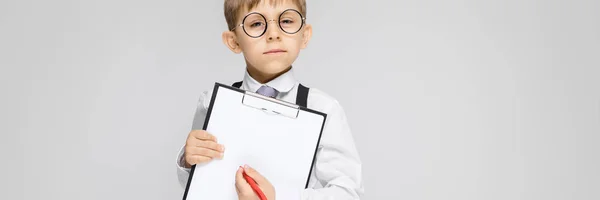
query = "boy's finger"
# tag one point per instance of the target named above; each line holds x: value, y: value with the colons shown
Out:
x: 195, y: 159
x: 210, y: 145
x: 201, y: 151
x: 242, y: 186
x: 260, y: 180
x: 203, y: 135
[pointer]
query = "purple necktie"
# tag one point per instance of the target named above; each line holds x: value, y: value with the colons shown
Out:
x: 267, y: 91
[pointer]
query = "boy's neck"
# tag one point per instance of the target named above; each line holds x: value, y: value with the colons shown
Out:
x: 264, y: 78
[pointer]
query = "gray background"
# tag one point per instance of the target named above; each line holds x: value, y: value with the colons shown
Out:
x: 446, y: 99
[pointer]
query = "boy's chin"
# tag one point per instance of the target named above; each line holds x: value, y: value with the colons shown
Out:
x: 272, y: 69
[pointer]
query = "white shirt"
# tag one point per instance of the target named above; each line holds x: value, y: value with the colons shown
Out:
x: 337, y: 171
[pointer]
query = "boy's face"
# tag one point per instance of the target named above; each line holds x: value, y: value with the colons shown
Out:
x: 275, y: 50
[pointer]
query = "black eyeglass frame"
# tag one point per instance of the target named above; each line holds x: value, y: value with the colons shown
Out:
x: 267, y: 23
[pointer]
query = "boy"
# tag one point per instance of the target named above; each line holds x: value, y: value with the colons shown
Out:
x: 269, y: 50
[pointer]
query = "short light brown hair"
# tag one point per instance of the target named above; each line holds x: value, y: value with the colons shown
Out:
x: 233, y: 7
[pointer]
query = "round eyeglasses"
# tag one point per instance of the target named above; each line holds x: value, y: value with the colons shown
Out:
x: 255, y: 24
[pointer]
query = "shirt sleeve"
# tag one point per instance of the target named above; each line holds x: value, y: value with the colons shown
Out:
x: 337, y: 167
x: 183, y: 173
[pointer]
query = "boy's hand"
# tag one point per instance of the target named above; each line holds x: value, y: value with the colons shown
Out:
x: 201, y: 147
x: 243, y: 188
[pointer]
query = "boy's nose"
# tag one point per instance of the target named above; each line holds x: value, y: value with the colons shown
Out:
x: 273, y: 31
x: 273, y: 37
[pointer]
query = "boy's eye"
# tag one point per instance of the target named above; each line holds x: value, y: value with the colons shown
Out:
x: 256, y: 24
x: 287, y: 21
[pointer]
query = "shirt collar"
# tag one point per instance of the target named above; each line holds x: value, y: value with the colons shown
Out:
x: 283, y: 83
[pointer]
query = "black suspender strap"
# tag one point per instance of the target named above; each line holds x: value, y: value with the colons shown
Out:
x: 237, y: 84
x: 301, y: 96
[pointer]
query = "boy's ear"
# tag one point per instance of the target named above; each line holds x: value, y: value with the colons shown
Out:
x: 307, y: 34
x: 230, y: 40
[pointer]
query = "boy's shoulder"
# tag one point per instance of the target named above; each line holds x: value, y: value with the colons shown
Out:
x: 323, y: 102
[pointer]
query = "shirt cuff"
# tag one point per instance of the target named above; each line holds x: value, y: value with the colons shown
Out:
x: 181, y: 162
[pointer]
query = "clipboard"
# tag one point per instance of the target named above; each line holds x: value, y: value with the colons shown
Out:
x: 277, y: 138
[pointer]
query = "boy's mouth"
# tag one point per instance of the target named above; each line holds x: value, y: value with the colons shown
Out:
x: 274, y: 51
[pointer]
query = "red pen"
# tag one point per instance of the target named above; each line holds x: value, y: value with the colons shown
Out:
x: 254, y: 186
